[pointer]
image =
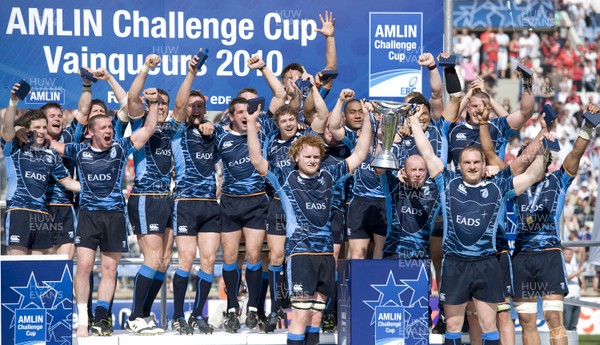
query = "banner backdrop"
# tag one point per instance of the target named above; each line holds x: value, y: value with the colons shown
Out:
x: 45, y: 43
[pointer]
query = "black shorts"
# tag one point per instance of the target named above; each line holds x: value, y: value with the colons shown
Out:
x: 507, y: 273
x: 539, y: 274
x: 63, y: 221
x: 366, y: 217
x: 276, y: 218
x: 150, y: 214
x: 309, y: 273
x: 194, y: 216
x: 246, y: 211
x: 438, y: 228
x: 29, y: 229
x: 463, y: 279
x: 338, y: 226
x: 104, y: 229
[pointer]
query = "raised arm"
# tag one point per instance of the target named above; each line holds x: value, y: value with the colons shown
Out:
x: 58, y: 147
x: 318, y: 123
x: 487, y: 145
x: 120, y: 94
x: 134, y: 103
x: 279, y: 94
x: 571, y: 162
x: 328, y: 29
x: 142, y: 135
x: 434, y: 163
x: 476, y: 86
x: 364, y: 144
x: 84, y: 106
x: 517, y: 119
x: 254, y: 148
x: 435, y: 84
x: 335, y: 122
x: 8, y: 122
x: 180, y: 110
x: 535, y: 147
x: 533, y: 174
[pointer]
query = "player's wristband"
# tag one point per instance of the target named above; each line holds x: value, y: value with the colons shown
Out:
x: 431, y: 68
x: 585, y: 132
x: 262, y: 67
x: 144, y: 69
x: 13, y: 102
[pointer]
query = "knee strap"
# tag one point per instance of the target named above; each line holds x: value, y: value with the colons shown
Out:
x: 552, y: 305
x: 302, y: 304
x: 318, y: 305
x: 502, y: 307
x: 526, y: 307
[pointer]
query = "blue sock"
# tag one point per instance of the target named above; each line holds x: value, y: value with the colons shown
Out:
x: 141, y: 289
x: 101, y: 310
x: 276, y: 281
x: 312, y: 335
x: 180, y: 283
x: 253, y: 279
x: 231, y: 277
x: 491, y: 338
x: 295, y: 339
x: 202, y: 290
x: 157, y: 283
x: 453, y: 338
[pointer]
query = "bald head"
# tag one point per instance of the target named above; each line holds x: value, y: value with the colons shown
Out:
x: 415, y: 171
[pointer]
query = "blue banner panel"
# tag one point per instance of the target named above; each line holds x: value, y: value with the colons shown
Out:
x: 45, y: 43
x: 479, y: 14
x: 37, y: 300
x: 383, y: 302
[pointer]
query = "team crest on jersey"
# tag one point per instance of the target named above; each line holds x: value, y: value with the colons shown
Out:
x: 48, y: 159
x: 425, y: 190
x: 427, y: 134
x: 462, y: 189
x: 113, y: 153
x: 407, y: 142
x: 196, y: 132
x: 484, y: 193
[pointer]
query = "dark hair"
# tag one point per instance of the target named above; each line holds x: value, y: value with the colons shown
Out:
x: 50, y: 105
x: 237, y: 100
x: 348, y: 103
x: 30, y: 116
x: 284, y: 109
x: 247, y: 89
x: 418, y: 98
x: 164, y: 93
x: 197, y: 93
x: 293, y: 66
x: 101, y: 103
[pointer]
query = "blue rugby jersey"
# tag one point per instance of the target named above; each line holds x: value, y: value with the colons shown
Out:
x: 195, y: 159
x: 472, y: 213
x: 240, y: 178
x: 153, y: 162
x: 56, y: 194
x: 463, y: 134
x: 437, y: 133
x: 28, y: 170
x: 539, y: 210
x: 411, y: 216
x: 306, y: 202
x: 101, y: 174
x: 334, y: 155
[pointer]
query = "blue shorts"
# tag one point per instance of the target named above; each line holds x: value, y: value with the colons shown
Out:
x: 276, y: 218
x: 366, y: 217
x: 538, y: 274
x: 244, y: 212
x: 29, y: 229
x: 150, y: 214
x: 307, y: 274
x: 194, y: 216
x: 63, y: 221
x: 338, y: 226
x: 104, y: 229
x: 507, y: 273
x: 463, y: 279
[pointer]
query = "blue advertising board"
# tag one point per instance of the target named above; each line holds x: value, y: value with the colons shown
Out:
x: 45, y: 43
x: 383, y: 302
x: 37, y: 300
x: 479, y: 14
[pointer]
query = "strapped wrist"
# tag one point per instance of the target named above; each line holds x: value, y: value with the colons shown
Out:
x: 431, y: 68
x: 13, y: 102
x: 144, y: 69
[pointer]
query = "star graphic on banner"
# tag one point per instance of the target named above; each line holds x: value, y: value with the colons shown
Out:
x: 59, y: 287
x: 60, y: 316
x: 12, y: 307
x: 412, y: 285
x: 372, y: 305
x: 32, y: 293
x: 389, y: 290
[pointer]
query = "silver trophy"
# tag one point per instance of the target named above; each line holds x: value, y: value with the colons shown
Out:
x: 392, y: 114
